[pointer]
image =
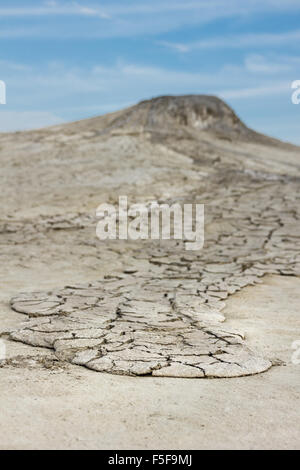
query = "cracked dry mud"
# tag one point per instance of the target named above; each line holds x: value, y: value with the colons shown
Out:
x: 166, y: 320
x: 158, y: 310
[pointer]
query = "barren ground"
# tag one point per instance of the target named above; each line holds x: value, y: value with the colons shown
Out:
x: 164, y: 316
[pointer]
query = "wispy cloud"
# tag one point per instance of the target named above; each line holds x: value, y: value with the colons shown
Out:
x: 175, y: 46
x: 272, y: 89
x: 53, y: 9
x: 208, y: 8
x: 259, y: 64
x: 139, y: 17
x: 21, y: 32
x: 237, y: 41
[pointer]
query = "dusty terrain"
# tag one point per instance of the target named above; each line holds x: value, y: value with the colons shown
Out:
x: 147, y: 307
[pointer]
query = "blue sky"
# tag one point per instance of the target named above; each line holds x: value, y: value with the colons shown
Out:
x: 68, y: 60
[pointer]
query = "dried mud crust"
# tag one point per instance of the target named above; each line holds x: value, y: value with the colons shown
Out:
x: 162, y: 316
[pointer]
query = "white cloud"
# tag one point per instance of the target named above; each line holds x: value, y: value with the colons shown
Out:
x: 269, y: 90
x: 174, y: 45
x: 52, y: 9
x: 258, y: 64
x: 238, y: 41
x: 21, y: 32
x: 14, y: 66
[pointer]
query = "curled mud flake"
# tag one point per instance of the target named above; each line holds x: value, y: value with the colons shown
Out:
x: 37, y: 305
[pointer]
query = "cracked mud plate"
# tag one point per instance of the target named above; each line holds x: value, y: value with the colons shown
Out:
x: 123, y: 325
